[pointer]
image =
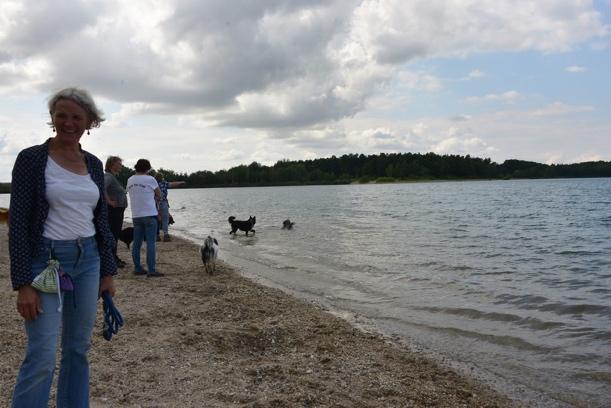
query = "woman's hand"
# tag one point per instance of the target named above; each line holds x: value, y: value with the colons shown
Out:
x: 28, y: 303
x: 107, y: 284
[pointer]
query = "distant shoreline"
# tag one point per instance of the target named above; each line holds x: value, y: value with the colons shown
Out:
x: 384, y: 181
x: 380, y: 168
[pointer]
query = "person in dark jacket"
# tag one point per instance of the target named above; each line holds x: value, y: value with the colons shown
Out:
x: 58, y: 211
x: 116, y: 198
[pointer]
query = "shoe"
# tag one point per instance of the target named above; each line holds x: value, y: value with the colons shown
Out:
x: 154, y: 275
x: 158, y: 238
x: 142, y: 272
x: 120, y: 263
x: 166, y: 238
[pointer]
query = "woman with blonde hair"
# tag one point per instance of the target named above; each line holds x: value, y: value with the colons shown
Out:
x: 58, y: 212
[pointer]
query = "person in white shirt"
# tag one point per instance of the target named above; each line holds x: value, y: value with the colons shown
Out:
x: 144, y: 193
x: 58, y: 212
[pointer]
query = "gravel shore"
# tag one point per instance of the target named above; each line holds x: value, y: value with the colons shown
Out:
x: 191, y: 340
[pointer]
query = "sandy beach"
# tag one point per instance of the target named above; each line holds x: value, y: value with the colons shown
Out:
x: 191, y: 340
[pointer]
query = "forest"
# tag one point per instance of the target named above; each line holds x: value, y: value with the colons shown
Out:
x: 381, y: 168
x: 378, y: 168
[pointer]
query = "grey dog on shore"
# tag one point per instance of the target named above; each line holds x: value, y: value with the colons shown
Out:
x: 209, y: 252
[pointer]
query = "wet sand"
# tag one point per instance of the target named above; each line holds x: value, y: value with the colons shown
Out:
x: 191, y: 340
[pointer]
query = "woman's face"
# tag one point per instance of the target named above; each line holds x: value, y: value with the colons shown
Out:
x: 70, y: 121
x: 116, y: 167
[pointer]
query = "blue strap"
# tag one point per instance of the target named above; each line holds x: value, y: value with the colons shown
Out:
x: 113, y: 320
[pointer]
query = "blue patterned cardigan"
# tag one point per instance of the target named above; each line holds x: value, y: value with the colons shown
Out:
x: 29, y: 209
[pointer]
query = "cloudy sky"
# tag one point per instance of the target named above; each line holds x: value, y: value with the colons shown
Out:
x: 206, y: 85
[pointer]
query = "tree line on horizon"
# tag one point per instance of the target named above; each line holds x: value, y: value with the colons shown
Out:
x: 383, y: 167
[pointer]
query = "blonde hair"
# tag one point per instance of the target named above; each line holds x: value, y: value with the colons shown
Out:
x: 82, y: 98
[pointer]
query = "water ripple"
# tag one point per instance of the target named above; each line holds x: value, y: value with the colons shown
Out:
x: 529, y: 322
x: 523, y: 265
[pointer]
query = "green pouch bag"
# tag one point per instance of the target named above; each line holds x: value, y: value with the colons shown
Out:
x: 48, y: 280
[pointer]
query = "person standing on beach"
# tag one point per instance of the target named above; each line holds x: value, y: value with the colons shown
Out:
x: 164, y: 205
x: 58, y: 210
x: 143, y: 193
x: 116, y: 198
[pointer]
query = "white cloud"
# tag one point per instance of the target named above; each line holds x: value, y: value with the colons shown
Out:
x: 586, y: 157
x: 267, y: 63
x: 431, y: 135
x: 559, y: 108
x: 419, y: 81
x: 272, y: 78
x: 575, y: 69
x: 382, y: 139
x: 15, y: 136
x: 476, y: 73
x: 460, y: 118
x: 552, y: 158
x: 508, y: 96
x: 563, y: 158
x: 457, y: 145
x: 396, y: 33
x: 501, y: 135
x: 127, y: 111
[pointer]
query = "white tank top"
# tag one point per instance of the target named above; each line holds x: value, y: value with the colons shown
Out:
x: 72, y: 198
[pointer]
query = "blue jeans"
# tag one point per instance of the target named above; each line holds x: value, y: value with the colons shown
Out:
x: 144, y: 227
x: 79, y: 259
x: 164, y: 210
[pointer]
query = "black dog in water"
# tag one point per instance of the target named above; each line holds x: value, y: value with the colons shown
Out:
x: 245, y: 226
x: 287, y: 224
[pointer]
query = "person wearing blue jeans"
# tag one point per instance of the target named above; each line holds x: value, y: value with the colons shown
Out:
x: 144, y: 227
x: 143, y: 196
x: 164, y: 213
x: 58, y: 209
x: 81, y: 261
x: 164, y: 205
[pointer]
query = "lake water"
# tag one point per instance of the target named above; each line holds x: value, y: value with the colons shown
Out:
x: 509, y: 281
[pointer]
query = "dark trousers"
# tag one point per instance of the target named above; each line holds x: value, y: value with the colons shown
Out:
x: 115, y: 219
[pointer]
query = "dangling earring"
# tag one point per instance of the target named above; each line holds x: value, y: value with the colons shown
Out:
x: 88, y: 132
